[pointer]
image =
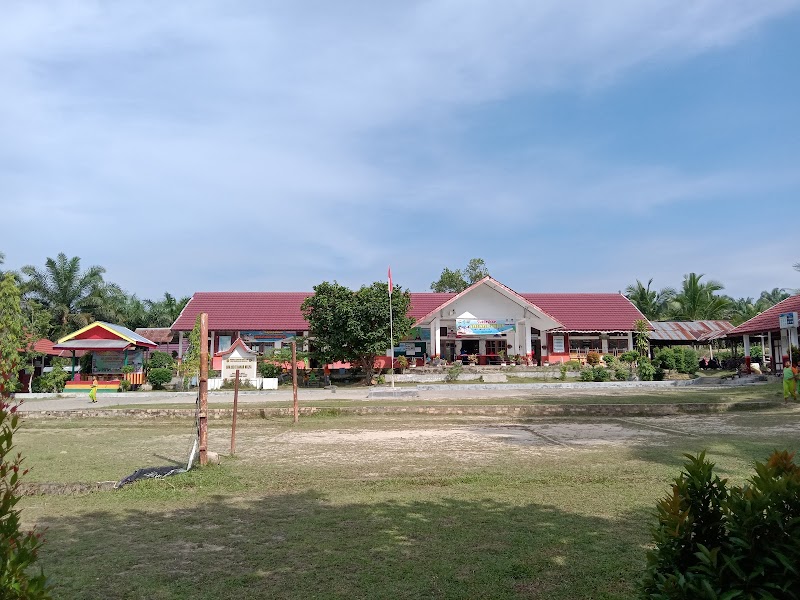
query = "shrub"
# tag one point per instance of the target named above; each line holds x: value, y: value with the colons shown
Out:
x: 573, y: 365
x: 161, y: 360
x: 563, y: 374
x: 158, y: 377
x: 18, y: 549
x: 454, y: 371
x: 402, y: 362
x: 244, y: 384
x: 269, y: 370
x: 587, y: 374
x: 593, y: 358
x: 621, y: 373
x: 609, y: 359
x: 756, y: 353
x: 600, y: 374
x: 631, y: 356
x: 689, y: 360
x: 124, y: 386
x: 664, y: 358
x: 712, y: 541
x: 659, y: 374
x: 54, y: 380
x: 645, y: 369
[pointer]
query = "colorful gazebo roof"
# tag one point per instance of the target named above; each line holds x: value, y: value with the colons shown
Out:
x: 103, y: 336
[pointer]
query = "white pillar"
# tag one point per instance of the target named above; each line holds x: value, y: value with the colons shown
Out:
x: 772, y: 356
x: 481, y: 346
x: 213, y: 339
x: 436, y: 338
x: 746, y: 339
x: 545, y: 346
x: 604, y: 344
x: 525, y: 338
x: 180, y: 344
x: 630, y: 340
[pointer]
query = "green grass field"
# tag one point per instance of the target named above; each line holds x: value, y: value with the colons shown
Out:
x: 373, y: 507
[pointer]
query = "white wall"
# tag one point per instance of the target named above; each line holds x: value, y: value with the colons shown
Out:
x: 265, y: 383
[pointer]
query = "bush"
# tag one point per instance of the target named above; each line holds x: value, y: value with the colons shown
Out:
x: 600, y: 374
x: 689, y: 360
x: 659, y: 374
x: 18, y: 549
x: 609, y: 359
x: 573, y: 365
x: 161, y: 360
x: 269, y: 370
x: 124, y: 386
x: 631, y: 356
x: 158, y: 377
x: 664, y: 358
x: 645, y: 369
x: 587, y: 374
x: 563, y: 372
x: 454, y: 371
x: 756, y: 353
x: 621, y: 373
x: 55, y: 380
x: 593, y: 358
x: 716, y: 542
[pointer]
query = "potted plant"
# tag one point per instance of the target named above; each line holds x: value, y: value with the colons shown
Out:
x: 502, y: 356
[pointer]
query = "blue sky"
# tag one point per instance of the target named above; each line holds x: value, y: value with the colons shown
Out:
x: 575, y: 146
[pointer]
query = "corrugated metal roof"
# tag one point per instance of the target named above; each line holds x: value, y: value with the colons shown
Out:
x: 689, y: 331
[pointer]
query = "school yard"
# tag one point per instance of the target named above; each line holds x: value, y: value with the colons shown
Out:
x: 379, y: 506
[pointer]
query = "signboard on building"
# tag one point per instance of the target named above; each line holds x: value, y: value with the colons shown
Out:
x: 558, y: 344
x: 110, y: 362
x: 266, y: 336
x: 787, y: 320
x: 483, y: 326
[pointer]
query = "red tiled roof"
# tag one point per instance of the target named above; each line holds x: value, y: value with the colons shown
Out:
x: 257, y: 311
x: 245, y: 311
x: 237, y: 344
x: 589, y: 312
x: 769, y: 319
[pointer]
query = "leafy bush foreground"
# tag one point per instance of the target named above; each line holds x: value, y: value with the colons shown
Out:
x: 713, y: 541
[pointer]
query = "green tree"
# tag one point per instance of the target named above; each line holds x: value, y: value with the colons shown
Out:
x: 164, y: 312
x: 697, y: 300
x: 18, y: 549
x: 190, y: 364
x: 741, y: 310
x: 651, y: 303
x: 642, y: 337
x: 458, y: 280
x: 10, y: 334
x: 354, y: 326
x: 770, y: 298
x: 71, y: 295
x: 35, y: 327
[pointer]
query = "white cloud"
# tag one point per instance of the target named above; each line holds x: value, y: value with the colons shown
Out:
x: 256, y: 124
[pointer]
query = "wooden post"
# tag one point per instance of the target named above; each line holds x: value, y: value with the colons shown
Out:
x: 203, y: 389
x: 235, y: 409
x: 294, y: 381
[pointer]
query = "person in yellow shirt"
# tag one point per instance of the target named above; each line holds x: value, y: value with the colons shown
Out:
x: 93, y: 391
x: 789, y: 381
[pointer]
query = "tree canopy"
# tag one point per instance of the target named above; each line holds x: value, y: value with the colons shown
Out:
x: 458, y: 280
x: 353, y: 326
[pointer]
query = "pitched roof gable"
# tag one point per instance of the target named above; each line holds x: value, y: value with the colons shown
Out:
x: 769, y: 320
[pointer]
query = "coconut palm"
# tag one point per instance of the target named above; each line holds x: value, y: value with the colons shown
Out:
x: 697, y: 300
x: 72, y: 297
x: 164, y: 312
x: 771, y: 298
x: 651, y: 304
x: 741, y: 310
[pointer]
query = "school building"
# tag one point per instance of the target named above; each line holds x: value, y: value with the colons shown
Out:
x: 485, y: 319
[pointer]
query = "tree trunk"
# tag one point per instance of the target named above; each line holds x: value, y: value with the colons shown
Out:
x: 368, y: 364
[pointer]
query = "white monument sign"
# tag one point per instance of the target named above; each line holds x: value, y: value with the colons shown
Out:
x: 242, y: 358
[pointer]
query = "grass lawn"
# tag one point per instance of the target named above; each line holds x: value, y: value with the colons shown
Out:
x: 373, y: 507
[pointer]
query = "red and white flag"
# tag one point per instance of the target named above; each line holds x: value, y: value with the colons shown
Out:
x: 390, y: 280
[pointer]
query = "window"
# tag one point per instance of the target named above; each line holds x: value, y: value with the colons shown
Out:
x: 495, y: 346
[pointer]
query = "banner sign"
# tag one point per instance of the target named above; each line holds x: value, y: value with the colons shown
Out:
x: 787, y: 320
x: 245, y: 365
x: 483, y: 326
x: 558, y: 344
x: 266, y: 336
x: 110, y: 362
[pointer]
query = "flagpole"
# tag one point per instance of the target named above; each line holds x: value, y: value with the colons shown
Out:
x: 391, y: 328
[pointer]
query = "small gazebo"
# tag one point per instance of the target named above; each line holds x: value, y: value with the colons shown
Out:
x: 113, y: 348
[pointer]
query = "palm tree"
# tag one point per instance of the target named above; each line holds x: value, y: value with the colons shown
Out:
x: 651, y: 304
x: 771, y: 298
x: 696, y: 301
x: 742, y: 310
x: 71, y: 296
x: 163, y: 313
